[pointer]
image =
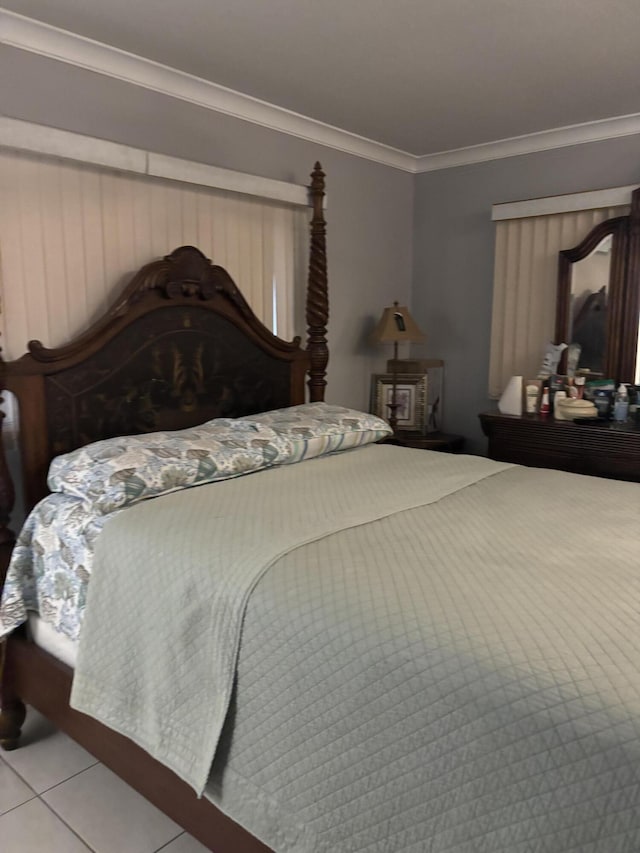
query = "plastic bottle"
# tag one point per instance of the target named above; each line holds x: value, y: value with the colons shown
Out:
x: 557, y: 398
x: 621, y: 405
x: 544, y: 407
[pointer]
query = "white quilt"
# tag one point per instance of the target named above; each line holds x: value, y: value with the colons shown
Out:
x: 458, y: 676
x: 189, y: 560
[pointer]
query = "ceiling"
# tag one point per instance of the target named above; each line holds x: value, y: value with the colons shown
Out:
x: 422, y: 76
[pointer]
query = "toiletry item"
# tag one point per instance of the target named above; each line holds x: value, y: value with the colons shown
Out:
x: 580, y: 380
x: 570, y: 410
x: 532, y: 391
x: 594, y: 385
x: 556, y: 383
x: 603, y: 400
x: 544, y: 406
x: 510, y: 403
x: 621, y: 405
x: 558, y: 398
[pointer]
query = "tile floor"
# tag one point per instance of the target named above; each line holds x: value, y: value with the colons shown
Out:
x: 56, y: 798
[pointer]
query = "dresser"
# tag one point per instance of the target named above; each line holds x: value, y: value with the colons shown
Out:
x: 603, y: 451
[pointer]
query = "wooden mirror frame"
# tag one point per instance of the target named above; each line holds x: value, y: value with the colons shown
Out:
x: 617, y: 228
x: 624, y: 290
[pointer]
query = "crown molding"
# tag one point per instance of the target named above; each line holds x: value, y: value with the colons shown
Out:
x: 36, y: 37
x: 545, y: 140
x: 54, y: 43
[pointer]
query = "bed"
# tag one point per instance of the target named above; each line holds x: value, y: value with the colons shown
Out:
x: 188, y: 313
x: 414, y: 650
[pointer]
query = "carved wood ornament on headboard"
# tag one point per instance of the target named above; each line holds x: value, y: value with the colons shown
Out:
x: 180, y: 346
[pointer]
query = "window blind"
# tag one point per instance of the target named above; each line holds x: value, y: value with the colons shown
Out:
x: 72, y: 234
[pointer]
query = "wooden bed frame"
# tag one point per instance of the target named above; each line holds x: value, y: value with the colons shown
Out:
x: 179, y: 347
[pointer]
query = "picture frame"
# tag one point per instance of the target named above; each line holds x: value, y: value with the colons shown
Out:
x: 434, y: 370
x: 411, y: 396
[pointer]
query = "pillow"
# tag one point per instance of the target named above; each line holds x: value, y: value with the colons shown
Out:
x: 315, y: 429
x: 117, y: 472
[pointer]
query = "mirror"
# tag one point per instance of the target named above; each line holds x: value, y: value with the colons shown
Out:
x: 588, y: 305
x: 598, y: 297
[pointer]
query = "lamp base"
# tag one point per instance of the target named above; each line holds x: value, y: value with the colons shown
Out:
x: 393, y: 419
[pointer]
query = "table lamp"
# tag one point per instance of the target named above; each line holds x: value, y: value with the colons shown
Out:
x: 396, y: 326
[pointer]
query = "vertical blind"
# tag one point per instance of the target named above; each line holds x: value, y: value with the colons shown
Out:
x: 524, y: 288
x: 71, y: 236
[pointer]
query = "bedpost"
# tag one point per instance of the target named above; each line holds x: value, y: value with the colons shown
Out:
x: 317, y: 292
x: 12, y: 709
x: 7, y: 492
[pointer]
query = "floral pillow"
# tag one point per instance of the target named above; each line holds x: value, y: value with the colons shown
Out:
x: 117, y: 472
x: 315, y: 429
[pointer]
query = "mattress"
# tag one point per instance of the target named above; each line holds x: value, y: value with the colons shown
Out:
x: 59, y: 645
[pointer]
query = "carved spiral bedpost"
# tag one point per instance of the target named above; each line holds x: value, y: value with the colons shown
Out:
x: 7, y: 492
x: 317, y: 292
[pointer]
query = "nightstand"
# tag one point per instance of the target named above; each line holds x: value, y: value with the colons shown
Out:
x: 431, y: 441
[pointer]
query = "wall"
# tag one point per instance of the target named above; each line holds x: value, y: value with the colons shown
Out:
x: 372, y: 215
x: 453, y: 255
x: 370, y: 206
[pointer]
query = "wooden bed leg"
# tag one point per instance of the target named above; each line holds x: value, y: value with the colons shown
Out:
x: 12, y: 709
x: 11, y: 719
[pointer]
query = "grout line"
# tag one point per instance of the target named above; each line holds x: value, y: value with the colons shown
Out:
x: 39, y: 796
x: 171, y: 840
x: 13, y: 808
x: 51, y: 787
x: 68, y: 825
x: 62, y: 781
x: 21, y: 777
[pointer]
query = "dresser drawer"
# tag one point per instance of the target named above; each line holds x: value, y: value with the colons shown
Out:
x: 545, y: 443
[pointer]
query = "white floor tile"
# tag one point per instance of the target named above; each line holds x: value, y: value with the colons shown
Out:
x: 33, y: 828
x: 13, y: 791
x: 109, y: 815
x: 185, y: 844
x: 45, y: 756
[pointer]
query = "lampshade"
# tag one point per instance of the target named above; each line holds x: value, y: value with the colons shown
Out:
x: 396, y: 326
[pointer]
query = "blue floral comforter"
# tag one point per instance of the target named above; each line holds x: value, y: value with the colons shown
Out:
x: 51, y: 565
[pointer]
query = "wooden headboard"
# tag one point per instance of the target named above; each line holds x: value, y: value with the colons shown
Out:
x: 179, y: 347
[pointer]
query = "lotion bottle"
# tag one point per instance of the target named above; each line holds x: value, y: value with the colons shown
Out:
x: 621, y: 405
